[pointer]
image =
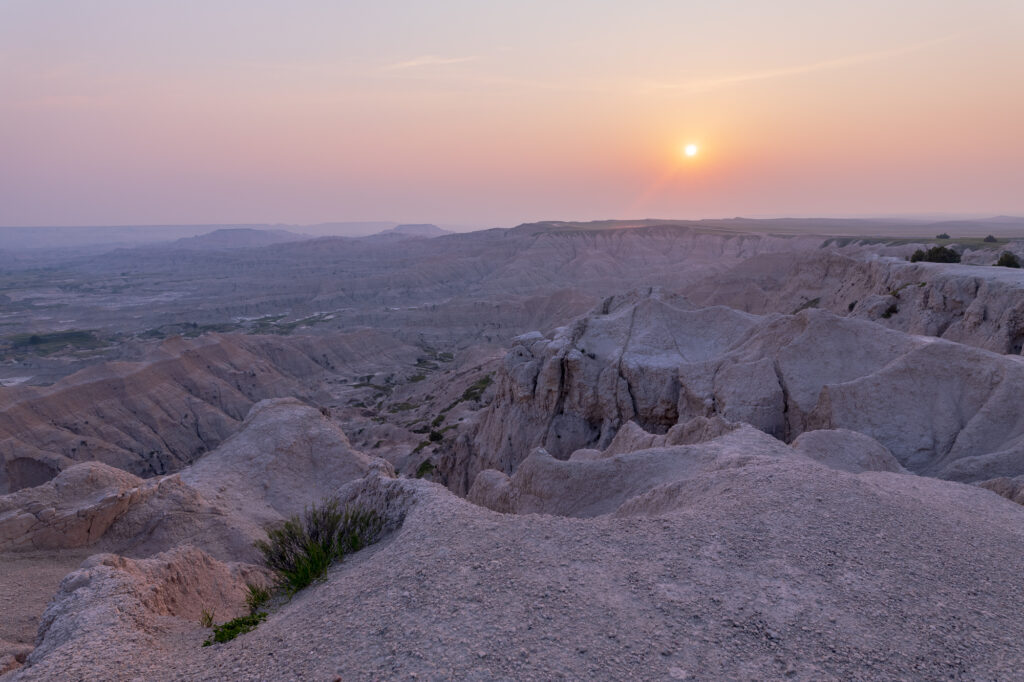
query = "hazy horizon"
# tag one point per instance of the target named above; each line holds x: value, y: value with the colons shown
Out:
x: 117, y: 113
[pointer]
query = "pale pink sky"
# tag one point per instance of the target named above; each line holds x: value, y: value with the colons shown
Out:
x: 128, y: 112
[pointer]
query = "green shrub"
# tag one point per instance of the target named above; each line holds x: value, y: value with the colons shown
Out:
x: 233, y: 628
x: 301, y: 549
x: 1008, y: 260
x: 890, y: 311
x: 936, y: 254
x: 942, y: 236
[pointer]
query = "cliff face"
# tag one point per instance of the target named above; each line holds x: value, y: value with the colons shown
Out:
x: 976, y: 305
x: 942, y: 408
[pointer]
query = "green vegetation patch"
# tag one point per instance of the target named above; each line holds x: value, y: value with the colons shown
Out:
x: 477, y: 388
x: 51, y: 342
x: 1008, y: 260
x: 257, y: 596
x: 936, y: 254
x: 425, y: 468
x: 233, y: 628
x: 301, y: 549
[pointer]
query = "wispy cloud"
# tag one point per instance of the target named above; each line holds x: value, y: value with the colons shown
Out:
x: 427, y: 60
x: 827, y: 65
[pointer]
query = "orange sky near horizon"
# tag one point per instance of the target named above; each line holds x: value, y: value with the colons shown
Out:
x: 119, y: 112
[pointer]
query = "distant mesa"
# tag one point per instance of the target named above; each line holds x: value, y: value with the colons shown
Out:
x: 417, y: 230
x: 238, y: 238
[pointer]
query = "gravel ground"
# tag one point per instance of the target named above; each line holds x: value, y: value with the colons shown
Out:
x: 27, y: 582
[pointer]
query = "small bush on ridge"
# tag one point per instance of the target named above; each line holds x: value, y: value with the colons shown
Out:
x: 936, y: 254
x: 302, y: 548
x: 1008, y: 259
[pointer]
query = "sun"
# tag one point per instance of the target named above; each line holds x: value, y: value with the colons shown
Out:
x: 690, y: 150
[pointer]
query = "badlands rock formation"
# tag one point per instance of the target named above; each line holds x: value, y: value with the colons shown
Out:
x: 159, y: 414
x: 979, y: 306
x: 940, y: 408
x: 285, y: 456
x: 737, y: 475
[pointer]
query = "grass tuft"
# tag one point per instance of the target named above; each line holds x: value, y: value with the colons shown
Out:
x: 302, y: 548
x: 257, y: 596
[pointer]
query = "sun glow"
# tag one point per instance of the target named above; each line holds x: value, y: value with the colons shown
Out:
x: 690, y: 150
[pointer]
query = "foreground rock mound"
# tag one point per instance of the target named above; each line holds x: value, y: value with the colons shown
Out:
x: 773, y: 567
x: 940, y: 408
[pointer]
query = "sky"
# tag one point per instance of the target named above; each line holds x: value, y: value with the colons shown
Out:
x: 122, y: 112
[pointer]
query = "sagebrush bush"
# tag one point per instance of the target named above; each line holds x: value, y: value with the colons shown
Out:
x: 936, y: 254
x: 1008, y: 260
x: 301, y: 549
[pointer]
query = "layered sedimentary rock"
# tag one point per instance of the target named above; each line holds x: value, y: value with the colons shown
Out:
x: 159, y: 414
x: 115, y: 608
x: 286, y: 456
x: 973, y: 304
x: 941, y: 408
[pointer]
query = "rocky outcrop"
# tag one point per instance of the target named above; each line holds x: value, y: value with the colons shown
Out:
x: 592, y: 482
x: 160, y: 414
x: 117, y: 607
x: 74, y: 509
x: 847, y: 451
x: 941, y: 408
x: 976, y: 305
x: 594, y: 486
x: 286, y: 456
x: 1010, y: 488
